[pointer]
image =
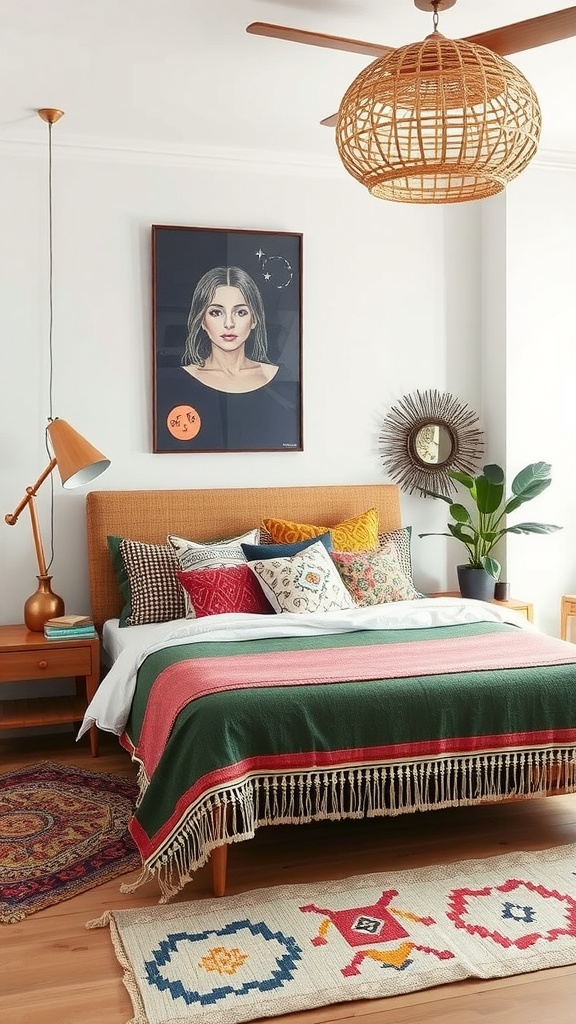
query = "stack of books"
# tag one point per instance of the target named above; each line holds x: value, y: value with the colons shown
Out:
x: 70, y: 627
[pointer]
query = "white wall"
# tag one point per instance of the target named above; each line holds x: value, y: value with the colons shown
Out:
x: 393, y: 302
x: 541, y: 376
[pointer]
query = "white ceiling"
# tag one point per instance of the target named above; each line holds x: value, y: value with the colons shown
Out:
x: 183, y: 74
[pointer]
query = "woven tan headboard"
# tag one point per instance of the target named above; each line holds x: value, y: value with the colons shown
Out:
x: 208, y: 514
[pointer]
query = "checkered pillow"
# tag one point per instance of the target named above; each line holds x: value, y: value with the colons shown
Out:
x: 156, y: 594
x: 401, y: 539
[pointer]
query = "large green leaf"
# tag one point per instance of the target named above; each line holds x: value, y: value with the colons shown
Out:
x: 489, y: 495
x: 532, y: 473
x: 492, y: 567
x: 532, y: 480
x: 532, y: 528
x: 494, y: 473
x: 460, y: 513
x: 435, y: 494
x: 463, y: 478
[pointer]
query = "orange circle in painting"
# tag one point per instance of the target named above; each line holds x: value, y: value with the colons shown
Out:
x: 183, y: 422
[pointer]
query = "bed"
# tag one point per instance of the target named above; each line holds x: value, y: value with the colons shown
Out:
x: 240, y: 719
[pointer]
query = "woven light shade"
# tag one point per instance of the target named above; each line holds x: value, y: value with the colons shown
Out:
x: 441, y: 121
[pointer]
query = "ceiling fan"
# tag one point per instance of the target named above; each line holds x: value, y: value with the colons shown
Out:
x: 523, y: 35
x: 442, y: 120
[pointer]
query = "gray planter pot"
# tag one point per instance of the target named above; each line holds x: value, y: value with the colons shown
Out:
x: 475, y: 583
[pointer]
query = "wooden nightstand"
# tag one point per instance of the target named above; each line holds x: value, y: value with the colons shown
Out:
x: 26, y: 656
x: 567, y: 609
x: 518, y: 606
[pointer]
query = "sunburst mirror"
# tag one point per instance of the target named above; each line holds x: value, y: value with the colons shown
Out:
x: 426, y: 434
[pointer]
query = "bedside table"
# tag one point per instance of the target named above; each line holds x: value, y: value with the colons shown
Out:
x: 518, y: 606
x: 26, y: 656
x: 567, y: 610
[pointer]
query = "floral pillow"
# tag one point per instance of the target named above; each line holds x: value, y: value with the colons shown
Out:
x: 217, y: 554
x: 230, y: 589
x: 357, y: 534
x: 305, y: 582
x: 374, y: 577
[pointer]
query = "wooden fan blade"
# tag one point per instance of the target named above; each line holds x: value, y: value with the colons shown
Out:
x: 298, y: 35
x: 525, y: 35
x: 330, y: 122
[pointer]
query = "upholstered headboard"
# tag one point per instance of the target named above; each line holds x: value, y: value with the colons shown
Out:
x: 208, y: 514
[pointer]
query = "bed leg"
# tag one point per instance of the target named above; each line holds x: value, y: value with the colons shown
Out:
x: 218, y: 857
x: 218, y: 862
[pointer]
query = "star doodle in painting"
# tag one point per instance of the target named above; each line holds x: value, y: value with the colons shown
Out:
x: 275, y: 269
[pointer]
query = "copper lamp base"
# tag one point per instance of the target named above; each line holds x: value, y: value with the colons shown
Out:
x: 42, y: 605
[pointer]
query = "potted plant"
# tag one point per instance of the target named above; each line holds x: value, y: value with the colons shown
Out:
x: 481, y: 530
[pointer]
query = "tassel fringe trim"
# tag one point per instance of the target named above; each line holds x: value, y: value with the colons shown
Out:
x: 233, y: 814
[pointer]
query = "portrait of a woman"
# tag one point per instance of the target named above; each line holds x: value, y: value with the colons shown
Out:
x: 226, y: 346
x: 233, y: 382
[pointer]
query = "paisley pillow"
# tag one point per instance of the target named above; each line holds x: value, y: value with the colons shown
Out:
x: 374, y: 577
x: 305, y: 582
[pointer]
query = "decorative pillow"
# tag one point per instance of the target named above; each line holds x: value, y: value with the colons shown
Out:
x: 121, y: 577
x: 357, y: 534
x: 374, y: 577
x: 155, y: 593
x: 304, y: 582
x: 217, y: 554
x: 232, y: 589
x: 401, y: 539
x: 255, y: 551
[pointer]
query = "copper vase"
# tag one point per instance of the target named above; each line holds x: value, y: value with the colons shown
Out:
x: 42, y: 605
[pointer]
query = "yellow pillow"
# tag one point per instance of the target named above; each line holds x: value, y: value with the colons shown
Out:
x: 357, y: 534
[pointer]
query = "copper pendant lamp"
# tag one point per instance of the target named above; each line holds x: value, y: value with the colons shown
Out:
x: 440, y: 121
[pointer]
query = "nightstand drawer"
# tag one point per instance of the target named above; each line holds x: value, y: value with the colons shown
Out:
x: 17, y: 665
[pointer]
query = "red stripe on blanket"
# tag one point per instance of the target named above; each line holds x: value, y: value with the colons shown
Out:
x: 335, y: 760
x: 193, y: 678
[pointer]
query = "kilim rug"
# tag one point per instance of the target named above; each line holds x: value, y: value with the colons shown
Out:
x: 274, y: 951
x: 62, y: 830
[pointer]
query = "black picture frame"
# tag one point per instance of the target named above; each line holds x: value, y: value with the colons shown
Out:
x: 238, y: 391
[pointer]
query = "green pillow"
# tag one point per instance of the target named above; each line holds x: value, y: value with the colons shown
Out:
x: 121, y: 577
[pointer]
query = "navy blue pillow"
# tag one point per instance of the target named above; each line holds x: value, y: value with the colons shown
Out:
x: 255, y: 551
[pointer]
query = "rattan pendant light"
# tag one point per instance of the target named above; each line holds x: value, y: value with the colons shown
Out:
x: 441, y: 121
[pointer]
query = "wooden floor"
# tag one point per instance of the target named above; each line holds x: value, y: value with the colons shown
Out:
x: 54, y: 971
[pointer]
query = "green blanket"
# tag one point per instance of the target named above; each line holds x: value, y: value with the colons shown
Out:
x: 238, y: 726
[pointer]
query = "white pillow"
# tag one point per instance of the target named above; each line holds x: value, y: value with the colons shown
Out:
x: 217, y: 554
x: 305, y: 582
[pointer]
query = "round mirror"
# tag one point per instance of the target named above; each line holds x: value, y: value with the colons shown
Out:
x: 425, y: 435
x: 433, y: 444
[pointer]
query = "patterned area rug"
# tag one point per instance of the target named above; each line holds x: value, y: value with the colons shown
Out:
x: 62, y: 830
x: 274, y: 951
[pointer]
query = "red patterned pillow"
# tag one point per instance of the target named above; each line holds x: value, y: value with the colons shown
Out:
x: 231, y: 589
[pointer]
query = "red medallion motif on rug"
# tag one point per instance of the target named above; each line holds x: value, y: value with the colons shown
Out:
x: 63, y: 830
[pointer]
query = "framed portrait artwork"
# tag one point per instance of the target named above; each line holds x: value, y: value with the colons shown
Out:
x: 227, y: 334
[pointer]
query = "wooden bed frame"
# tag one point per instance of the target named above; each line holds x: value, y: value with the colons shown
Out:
x: 207, y: 514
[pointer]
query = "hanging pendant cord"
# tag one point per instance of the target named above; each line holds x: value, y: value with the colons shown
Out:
x: 50, y: 279
x: 50, y: 339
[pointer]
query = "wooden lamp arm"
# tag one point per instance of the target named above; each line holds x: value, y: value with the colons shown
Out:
x: 28, y: 499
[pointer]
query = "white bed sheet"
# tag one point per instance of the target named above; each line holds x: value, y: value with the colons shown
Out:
x: 116, y: 638
x: 110, y: 707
